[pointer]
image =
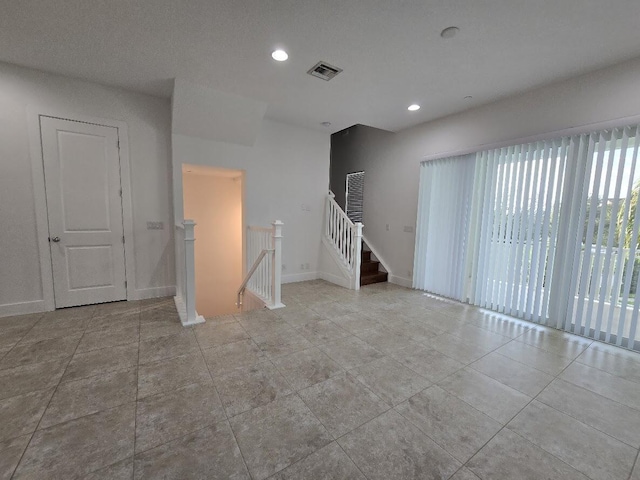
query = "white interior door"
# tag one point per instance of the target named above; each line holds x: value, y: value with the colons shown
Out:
x: 84, y: 203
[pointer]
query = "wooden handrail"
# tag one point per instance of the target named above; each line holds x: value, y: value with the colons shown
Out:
x: 251, y: 271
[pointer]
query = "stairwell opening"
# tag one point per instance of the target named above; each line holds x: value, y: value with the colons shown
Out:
x: 213, y: 198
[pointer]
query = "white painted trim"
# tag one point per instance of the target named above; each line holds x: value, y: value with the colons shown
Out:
x: 180, y: 308
x: 40, y: 204
x: 256, y: 299
x: 300, y: 277
x: 336, y: 258
x: 42, y: 222
x: 402, y: 281
x: 276, y: 306
x: 154, y: 292
x: 182, y: 313
x: 577, y: 130
x: 331, y: 278
x: 22, y: 308
x: 198, y: 319
x: 377, y: 255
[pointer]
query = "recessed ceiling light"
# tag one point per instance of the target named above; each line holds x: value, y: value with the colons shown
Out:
x: 449, y: 32
x: 468, y: 97
x: 413, y: 108
x: 326, y: 124
x: 279, y: 55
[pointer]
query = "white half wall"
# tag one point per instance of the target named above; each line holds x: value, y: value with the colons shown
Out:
x: 25, y: 93
x: 286, y: 178
x: 391, y: 161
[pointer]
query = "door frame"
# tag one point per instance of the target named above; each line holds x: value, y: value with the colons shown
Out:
x: 40, y: 201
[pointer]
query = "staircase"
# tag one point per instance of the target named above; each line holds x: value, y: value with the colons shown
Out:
x: 369, y: 270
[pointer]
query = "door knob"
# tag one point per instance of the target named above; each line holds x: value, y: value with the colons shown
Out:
x: 55, y: 239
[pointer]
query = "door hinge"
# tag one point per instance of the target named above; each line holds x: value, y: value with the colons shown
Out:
x: 122, y: 238
x: 118, y: 144
x: 120, y: 192
x: 125, y: 284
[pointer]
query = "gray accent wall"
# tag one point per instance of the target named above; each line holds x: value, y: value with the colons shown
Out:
x: 352, y: 150
x: 391, y: 161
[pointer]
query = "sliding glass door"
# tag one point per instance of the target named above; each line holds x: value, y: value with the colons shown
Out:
x: 545, y: 231
x: 445, y: 199
x: 600, y: 273
x: 518, y: 228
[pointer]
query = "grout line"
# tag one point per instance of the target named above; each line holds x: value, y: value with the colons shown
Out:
x: 52, y: 395
x: 352, y: 461
x: 135, y: 413
x: 635, y: 464
x: 578, y: 420
x: 23, y: 336
x: 514, y: 416
x: 215, y: 387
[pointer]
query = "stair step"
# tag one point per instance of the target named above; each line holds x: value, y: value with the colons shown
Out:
x: 366, y: 256
x: 369, y: 267
x: 369, y: 278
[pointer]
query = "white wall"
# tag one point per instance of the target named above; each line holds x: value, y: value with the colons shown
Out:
x: 287, y: 168
x: 215, y: 204
x: 206, y: 113
x: 148, y: 120
x: 391, y: 163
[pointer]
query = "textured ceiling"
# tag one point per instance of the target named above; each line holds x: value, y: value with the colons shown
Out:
x: 390, y: 50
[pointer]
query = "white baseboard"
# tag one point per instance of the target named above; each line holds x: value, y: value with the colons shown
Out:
x: 180, y: 308
x: 22, y: 308
x: 402, y: 281
x: 331, y: 278
x: 37, y: 306
x: 182, y: 313
x: 199, y: 319
x: 153, y: 292
x: 299, y: 277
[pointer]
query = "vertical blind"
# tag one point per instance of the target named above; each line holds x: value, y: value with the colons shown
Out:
x: 445, y: 198
x: 545, y: 231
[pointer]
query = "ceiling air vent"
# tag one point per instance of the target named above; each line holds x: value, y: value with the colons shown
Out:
x: 324, y: 71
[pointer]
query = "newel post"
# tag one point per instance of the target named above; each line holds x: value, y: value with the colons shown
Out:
x: 276, y: 271
x: 190, y: 271
x: 358, y: 255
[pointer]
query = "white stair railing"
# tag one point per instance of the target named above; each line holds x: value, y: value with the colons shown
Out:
x: 264, y: 255
x: 345, y: 239
x: 186, y: 273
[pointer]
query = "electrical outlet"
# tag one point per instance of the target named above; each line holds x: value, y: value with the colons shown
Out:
x: 302, y: 266
x: 284, y: 267
x: 306, y: 266
x: 387, y: 227
x: 155, y: 225
x: 408, y: 229
x: 410, y: 273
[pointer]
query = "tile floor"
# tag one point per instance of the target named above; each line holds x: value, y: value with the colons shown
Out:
x: 387, y: 383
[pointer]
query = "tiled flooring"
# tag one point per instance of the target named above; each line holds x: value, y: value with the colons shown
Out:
x: 387, y: 383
